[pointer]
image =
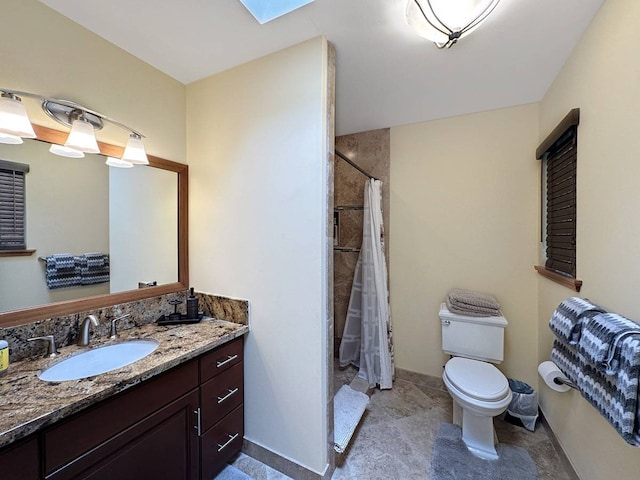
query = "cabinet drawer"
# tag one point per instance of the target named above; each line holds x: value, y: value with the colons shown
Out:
x: 220, y: 395
x: 87, y: 429
x: 221, y: 359
x: 221, y: 443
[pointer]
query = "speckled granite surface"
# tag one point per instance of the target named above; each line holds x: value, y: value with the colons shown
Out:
x: 28, y: 404
x: 141, y: 312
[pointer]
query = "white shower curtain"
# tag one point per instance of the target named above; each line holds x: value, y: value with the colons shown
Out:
x: 367, y: 340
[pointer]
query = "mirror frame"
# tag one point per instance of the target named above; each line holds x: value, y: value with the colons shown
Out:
x: 68, y: 307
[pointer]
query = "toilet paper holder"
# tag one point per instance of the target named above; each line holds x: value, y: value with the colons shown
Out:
x: 563, y: 381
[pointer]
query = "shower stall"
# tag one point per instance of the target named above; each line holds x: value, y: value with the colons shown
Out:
x: 361, y: 199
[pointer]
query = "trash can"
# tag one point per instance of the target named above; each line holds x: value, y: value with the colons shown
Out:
x: 523, y: 406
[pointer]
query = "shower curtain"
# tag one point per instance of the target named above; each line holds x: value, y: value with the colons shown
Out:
x: 367, y: 340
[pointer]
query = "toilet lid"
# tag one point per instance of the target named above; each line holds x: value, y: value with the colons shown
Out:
x: 476, y: 379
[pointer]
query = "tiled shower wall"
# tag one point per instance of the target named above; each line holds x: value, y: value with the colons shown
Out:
x: 371, y: 151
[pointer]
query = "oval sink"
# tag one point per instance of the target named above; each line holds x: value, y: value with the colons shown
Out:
x: 99, y: 360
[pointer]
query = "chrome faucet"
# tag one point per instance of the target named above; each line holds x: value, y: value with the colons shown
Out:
x: 83, y: 336
x: 114, y: 331
x: 51, y: 344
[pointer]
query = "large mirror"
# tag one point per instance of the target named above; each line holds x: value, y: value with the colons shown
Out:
x: 138, y: 216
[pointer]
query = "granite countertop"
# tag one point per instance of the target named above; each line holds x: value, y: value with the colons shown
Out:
x: 27, y: 403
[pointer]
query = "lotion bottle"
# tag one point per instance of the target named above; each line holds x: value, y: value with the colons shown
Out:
x: 192, y: 305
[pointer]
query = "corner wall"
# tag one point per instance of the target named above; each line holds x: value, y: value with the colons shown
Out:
x: 464, y: 213
x: 601, y: 78
x: 258, y: 156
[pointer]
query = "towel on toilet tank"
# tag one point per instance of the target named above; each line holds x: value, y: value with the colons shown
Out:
x: 471, y: 303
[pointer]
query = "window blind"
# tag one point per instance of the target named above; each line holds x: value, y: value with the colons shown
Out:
x: 12, y: 205
x: 561, y: 212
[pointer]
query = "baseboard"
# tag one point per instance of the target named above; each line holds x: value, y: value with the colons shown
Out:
x: 566, y: 463
x: 282, y: 464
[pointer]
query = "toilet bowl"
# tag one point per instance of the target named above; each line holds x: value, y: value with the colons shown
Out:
x: 479, y: 392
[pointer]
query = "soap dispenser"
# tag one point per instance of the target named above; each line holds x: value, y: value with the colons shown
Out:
x: 192, y: 305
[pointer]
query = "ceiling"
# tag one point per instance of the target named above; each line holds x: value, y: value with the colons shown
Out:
x: 386, y: 75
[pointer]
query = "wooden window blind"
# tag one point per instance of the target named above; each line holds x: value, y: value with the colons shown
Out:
x: 12, y: 205
x: 560, y: 153
x: 561, y: 204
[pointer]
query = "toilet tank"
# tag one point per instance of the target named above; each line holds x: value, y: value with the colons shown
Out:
x: 479, y: 338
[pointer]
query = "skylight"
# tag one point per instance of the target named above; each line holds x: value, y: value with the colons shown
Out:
x: 266, y: 10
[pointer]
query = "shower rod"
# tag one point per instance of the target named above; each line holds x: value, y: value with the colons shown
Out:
x: 355, y: 165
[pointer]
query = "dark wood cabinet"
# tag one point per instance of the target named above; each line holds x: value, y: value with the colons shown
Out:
x: 185, y: 423
x: 221, y: 407
x: 21, y: 461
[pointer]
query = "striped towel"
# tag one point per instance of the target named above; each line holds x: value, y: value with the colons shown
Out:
x: 94, y: 268
x: 474, y: 304
x: 566, y: 320
x: 62, y: 271
x: 615, y: 396
x: 602, y: 337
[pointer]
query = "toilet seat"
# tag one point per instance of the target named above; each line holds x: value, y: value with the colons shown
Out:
x: 477, y: 380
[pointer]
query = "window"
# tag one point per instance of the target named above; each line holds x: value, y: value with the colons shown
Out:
x: 559, y: 154
x: 12, y: 205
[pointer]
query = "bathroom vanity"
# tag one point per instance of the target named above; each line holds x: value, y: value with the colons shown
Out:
x: 176, y: 414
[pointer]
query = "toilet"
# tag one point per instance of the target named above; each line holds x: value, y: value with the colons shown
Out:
x: 478, y: 389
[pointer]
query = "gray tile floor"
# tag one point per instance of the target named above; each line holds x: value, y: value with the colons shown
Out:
x: 395, y: 436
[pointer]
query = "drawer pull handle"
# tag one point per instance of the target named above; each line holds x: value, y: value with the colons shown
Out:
x: 231, y: 392
x: 230, y: 358
x: 198, y: 425
x: 231, y: 439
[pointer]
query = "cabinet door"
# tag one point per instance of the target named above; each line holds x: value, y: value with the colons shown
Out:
x: 86, y: 431
x: 21, y: 462
x: 164, y: 445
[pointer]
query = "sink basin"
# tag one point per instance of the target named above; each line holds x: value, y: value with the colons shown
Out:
x: 99, y: 360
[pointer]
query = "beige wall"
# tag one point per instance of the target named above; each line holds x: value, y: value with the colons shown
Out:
x: 464, y: 213
x: 258, y: 155
x: 602, y: 78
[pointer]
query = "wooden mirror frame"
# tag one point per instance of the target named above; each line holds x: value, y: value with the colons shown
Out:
x: 68, y: 307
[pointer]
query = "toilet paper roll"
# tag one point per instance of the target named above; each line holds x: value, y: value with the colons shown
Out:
x: 549, y: 371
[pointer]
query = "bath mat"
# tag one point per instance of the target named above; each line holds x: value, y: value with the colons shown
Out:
x: 232, y: 473
x: 348, y: 407
x: 450, y: 460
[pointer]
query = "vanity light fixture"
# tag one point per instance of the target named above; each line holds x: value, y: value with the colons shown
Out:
x: 13, y: 116
x: 118, y: 163
x: 134, y: 151
x: 63, y: 151
x: 82, y: 137
x: 10, y: 139
x: 14, y: 122
x: 444, y: 22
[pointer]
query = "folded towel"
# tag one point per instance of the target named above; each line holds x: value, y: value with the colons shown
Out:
x: 615, y: 396
x: 566, y: 320
x: 95, y: 260
x: 61, y: 271
x: 602, y: 335
x: 468, y: 302
x: 94, y: 268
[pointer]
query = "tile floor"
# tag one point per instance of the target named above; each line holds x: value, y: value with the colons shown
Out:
x: 394, y: 438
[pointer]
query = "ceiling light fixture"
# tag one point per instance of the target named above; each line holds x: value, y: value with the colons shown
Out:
x: 14, y: 122
x: 444, y: 22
